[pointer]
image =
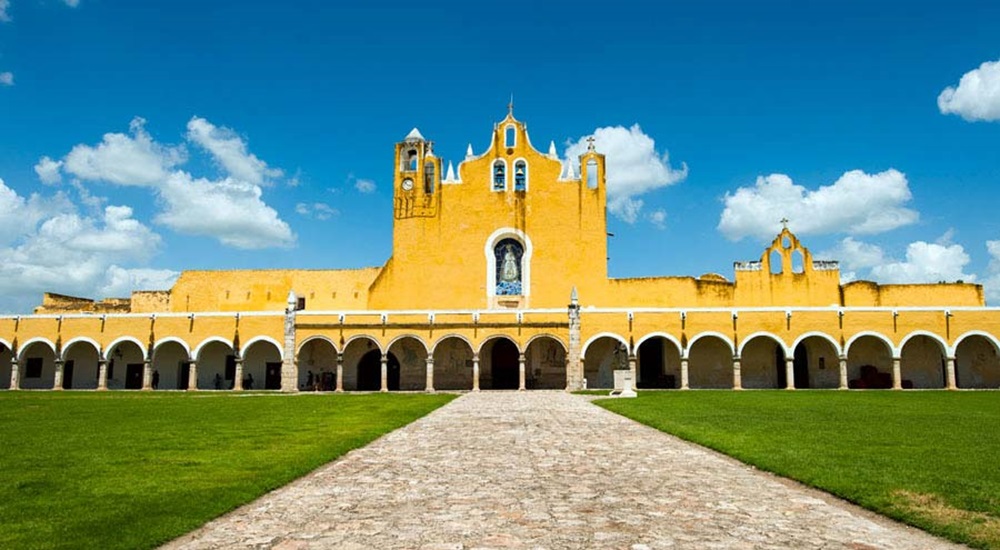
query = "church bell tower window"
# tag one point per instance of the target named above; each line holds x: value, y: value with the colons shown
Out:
x: 429, y: 177
x: 499, y: 175
x: 508, y: 254
x: 510, y: 136
x: 520, y: 176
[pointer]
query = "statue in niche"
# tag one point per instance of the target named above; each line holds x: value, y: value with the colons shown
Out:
x: 508, y: 267
x: 509, y: 273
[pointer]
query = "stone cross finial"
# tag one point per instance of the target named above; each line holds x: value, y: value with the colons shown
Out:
x: 590, y: 143
x: 510, y: 106
x: 784, y: 223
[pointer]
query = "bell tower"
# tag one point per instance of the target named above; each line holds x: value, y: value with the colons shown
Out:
x: 417, y: 183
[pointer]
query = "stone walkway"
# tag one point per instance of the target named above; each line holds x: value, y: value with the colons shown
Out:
x: 544, y: 470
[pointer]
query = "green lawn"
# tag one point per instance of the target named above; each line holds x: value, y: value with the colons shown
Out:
x: 133, y: 470
x: 931, y: 459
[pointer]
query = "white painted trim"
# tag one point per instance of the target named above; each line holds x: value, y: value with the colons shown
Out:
x: 5, y: 344
x: 196, y: 355
x: 707, y: 334
x: 269, y: 340
x: 545, y: 335
x: 410, y: 336
x: 765, y: 334
x: 491, y: 262
x: 497, y: 337
x: 364, y: 337
x: 879, y: 335
x: 174, y: 339
x: 652, y: 335
x: 945, y: 349
x: 472, y: 348
x: 38, y: 339
x: 830, y: 339
x: 599, y: 335
x: 68, y: 345
x: 109, y: 349
x: 298, y: 350
x: 989, y: 337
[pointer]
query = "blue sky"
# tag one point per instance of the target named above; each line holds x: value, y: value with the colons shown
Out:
x: 138, y: 139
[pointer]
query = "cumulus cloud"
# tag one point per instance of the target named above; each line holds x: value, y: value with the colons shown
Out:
x: 365, y: 186
x: 4, y: 6
x: 7, y: 79
x: 924, y: 262
x: 318, y: 210
x: 231, y: 209
x: 977, y: 96
x: 991, y: 283
x: 857, y: 203
x: 658, y: 218
x: 634, y: 166
x: 57, y: 249
x: 230, y: 151
x: 133, y: 159
x: 120, y: 281
x: 48, y: 171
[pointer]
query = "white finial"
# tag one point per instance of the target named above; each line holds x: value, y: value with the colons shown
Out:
x: 552, y: 150
x: 450, y: 174
x: 510, y: 106
x: 468, y: 152
x: 292, y: 298
x: 573, y: 298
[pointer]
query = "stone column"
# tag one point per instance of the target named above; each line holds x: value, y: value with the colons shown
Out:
x: 102, y: 374
x: 430, y: 373
x: 289, y: 368
x: 843, y: 372
x: 385, y: 373
x: 949, y: 373
x: 789, y: 373
x: 475, y: 372
x: 684, y: 373
x: 633, y: 368
x: 238, y: 377
x: 15, y: 373
x: 574, y: 363
x: 57, y: 384
x: 340, y: 372
x: 897, y: 377
x: 193, y: 376
x: 737, y: 374
x: 520, y: 373
x: 147, y: 375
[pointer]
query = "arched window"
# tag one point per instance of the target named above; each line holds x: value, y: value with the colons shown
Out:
x: 510, y: 136
x: 592, y: 174
x: 520, y: 175
x: 499, y: 175
x: 508, y: 253
x: 409, y: 161
x: 429, y: 177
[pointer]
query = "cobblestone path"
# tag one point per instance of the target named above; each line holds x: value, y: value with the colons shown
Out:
x: 544, y: 470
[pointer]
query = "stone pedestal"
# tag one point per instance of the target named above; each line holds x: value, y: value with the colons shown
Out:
x: 624, y: 384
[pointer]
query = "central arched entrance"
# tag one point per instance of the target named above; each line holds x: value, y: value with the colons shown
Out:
x: 370, y: 372
x: 504, y: 363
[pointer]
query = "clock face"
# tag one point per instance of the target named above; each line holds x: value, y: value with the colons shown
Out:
x: 407, y: 184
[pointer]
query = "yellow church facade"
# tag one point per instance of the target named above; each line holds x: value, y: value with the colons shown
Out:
x: 498, y: 280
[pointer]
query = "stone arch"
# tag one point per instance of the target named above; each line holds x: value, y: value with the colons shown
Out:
x: 81, y: 364
x: 262, y: 362
x: 6, y: 358
x: 172, y: 364
x: 355, y: 349
x: 122, y: 339
x: 37, y: 364
x: 256, y: 339
x: 545, y: 363
x: 922, y: 361
x: 411, y: 352
x: 126, y: 363
x: 762, y: 361
x: 482, y: 344
x: 977, y: 361
x: 817, y: 357
x: 710, y: 364
x: 317, y: 364
x: 658, y: 361
x: 557, y: 339
x: 499, y: 362
x: 603, y: 354
x: 599, y: 335
x: 453, y: 356
x: 216, y: 361
x: 869, y: 360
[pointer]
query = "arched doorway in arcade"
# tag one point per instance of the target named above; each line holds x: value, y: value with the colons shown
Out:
x: 977, y: 363
x: 658, y: 362
x: 370, y: 371
x: 504, y: 365
x: 545, y: 364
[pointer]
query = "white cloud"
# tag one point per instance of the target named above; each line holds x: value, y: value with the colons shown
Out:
x: 925, y: 262
x: 658, y: 218
x: 634, y: 167
x: 120, y: 281
x: 853, y: 254
x: 857, y: 203
x: 977, y: 96
x: 125, y: 159
x: 56, y: 249
x: 229, y: 210
x: 72, y: 3
x: 230, y: 151
x: 4, y: 6
x: 48, y: 171
x: 7, y: 79
x: 318, y: 210
x: 991, y: 284
x: 365, y: 186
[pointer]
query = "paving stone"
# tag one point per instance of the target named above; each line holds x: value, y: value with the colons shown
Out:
x: 546, y: 470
